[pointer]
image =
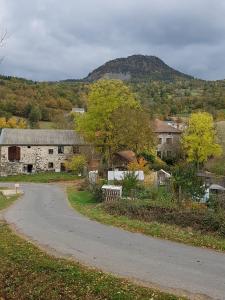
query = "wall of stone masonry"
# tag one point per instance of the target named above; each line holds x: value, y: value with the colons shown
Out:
x: 39, y: 157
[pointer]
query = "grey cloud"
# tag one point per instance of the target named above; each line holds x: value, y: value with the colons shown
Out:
x: 53, y: 39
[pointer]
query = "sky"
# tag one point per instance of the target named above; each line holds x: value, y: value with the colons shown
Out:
x: 56, y: 40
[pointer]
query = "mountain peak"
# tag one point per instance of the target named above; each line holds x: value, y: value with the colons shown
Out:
x: 136, y: 67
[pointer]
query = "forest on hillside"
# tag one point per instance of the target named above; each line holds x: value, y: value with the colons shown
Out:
x: 180, y: 98
x: 47, y: 101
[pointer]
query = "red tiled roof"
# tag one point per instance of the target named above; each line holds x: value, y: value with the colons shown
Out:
x: 127, y: 155
x: 163, y: 127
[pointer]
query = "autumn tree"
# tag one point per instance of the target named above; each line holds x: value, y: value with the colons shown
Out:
x: 132, y: 130
x: 199, y: 140
x: 12, y: 123
x: 97, y: 125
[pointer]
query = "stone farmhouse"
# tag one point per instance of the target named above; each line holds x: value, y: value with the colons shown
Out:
x: 168, y: 136
x: 39, y: 150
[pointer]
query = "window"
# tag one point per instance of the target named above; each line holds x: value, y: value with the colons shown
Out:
x: 60, y: 149
x: 14, y: 153
x: 76, y: 149
x: 169, y: 141
x: 160, y: 141
x: 50, y: 165
x: 50, y: 151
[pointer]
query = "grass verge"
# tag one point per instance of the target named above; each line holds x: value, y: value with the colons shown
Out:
x: 6, y: 202
x: 28, y: 273
x: 40, y: 177
x: 83, y: 202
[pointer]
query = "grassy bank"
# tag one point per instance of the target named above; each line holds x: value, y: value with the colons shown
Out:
x: 40, y: 177
x: 28, y: 273
x: 83, y: 202
x: 6, y: 202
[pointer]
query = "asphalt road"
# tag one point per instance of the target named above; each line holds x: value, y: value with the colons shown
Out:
x: 44, y: 216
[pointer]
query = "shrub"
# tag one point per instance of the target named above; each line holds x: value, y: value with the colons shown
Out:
x: 158, y: 164
x: 76, y: 164
x: 139, y: 165
x: 96, y: 189
x: 205, y: 221
x: 129, y: 183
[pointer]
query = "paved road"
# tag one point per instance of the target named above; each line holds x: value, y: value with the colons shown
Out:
x: 44, y: 216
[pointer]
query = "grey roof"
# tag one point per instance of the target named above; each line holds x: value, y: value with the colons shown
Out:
x: 11, y: 136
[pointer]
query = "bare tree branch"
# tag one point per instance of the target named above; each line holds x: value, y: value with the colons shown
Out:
x: 3, y: 36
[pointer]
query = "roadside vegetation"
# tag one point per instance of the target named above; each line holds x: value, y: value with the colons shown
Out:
x: 40, y: 177
x: 28, y: 273
x: 157, y: 215
x: 6, y: 201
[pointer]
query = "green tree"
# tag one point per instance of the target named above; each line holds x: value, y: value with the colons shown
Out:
x: 186, y: 183
x: 34, y: 115
x: 199, y: 140
x: 105, y: 97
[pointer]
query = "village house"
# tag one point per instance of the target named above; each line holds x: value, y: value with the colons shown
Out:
x: 168, y: 136
x: 39, y: 150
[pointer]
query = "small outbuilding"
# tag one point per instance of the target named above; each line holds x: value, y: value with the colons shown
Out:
x: 163, y: 177
x: 122, y: 159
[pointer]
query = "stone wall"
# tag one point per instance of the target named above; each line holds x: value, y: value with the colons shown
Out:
x: 41, y: 158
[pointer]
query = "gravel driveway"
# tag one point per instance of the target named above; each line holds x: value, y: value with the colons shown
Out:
x: 44, y: 216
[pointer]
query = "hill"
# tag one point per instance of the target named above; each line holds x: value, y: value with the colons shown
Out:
x: 136, y: 68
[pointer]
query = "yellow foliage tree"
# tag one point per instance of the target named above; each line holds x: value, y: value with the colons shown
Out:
x: 12, y: 123
x: 3, y: 123
x: 105, y: 97
x: 199, y: 140
x: 76, y: 164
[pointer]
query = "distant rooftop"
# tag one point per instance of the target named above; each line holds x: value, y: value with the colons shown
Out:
x: 78, y: 110
x: 163, y: 127
x: 128, y: 155
x: 42, y: 137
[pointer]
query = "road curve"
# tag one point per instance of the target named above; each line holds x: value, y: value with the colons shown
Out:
x: 44, y: 216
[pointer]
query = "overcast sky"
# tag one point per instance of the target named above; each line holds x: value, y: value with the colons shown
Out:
x: 59, y: 39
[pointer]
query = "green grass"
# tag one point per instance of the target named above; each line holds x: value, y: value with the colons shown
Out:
x: 28, y: 273
x: 40, y: 177
x: 6, y: 202
x: 83, y: 202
